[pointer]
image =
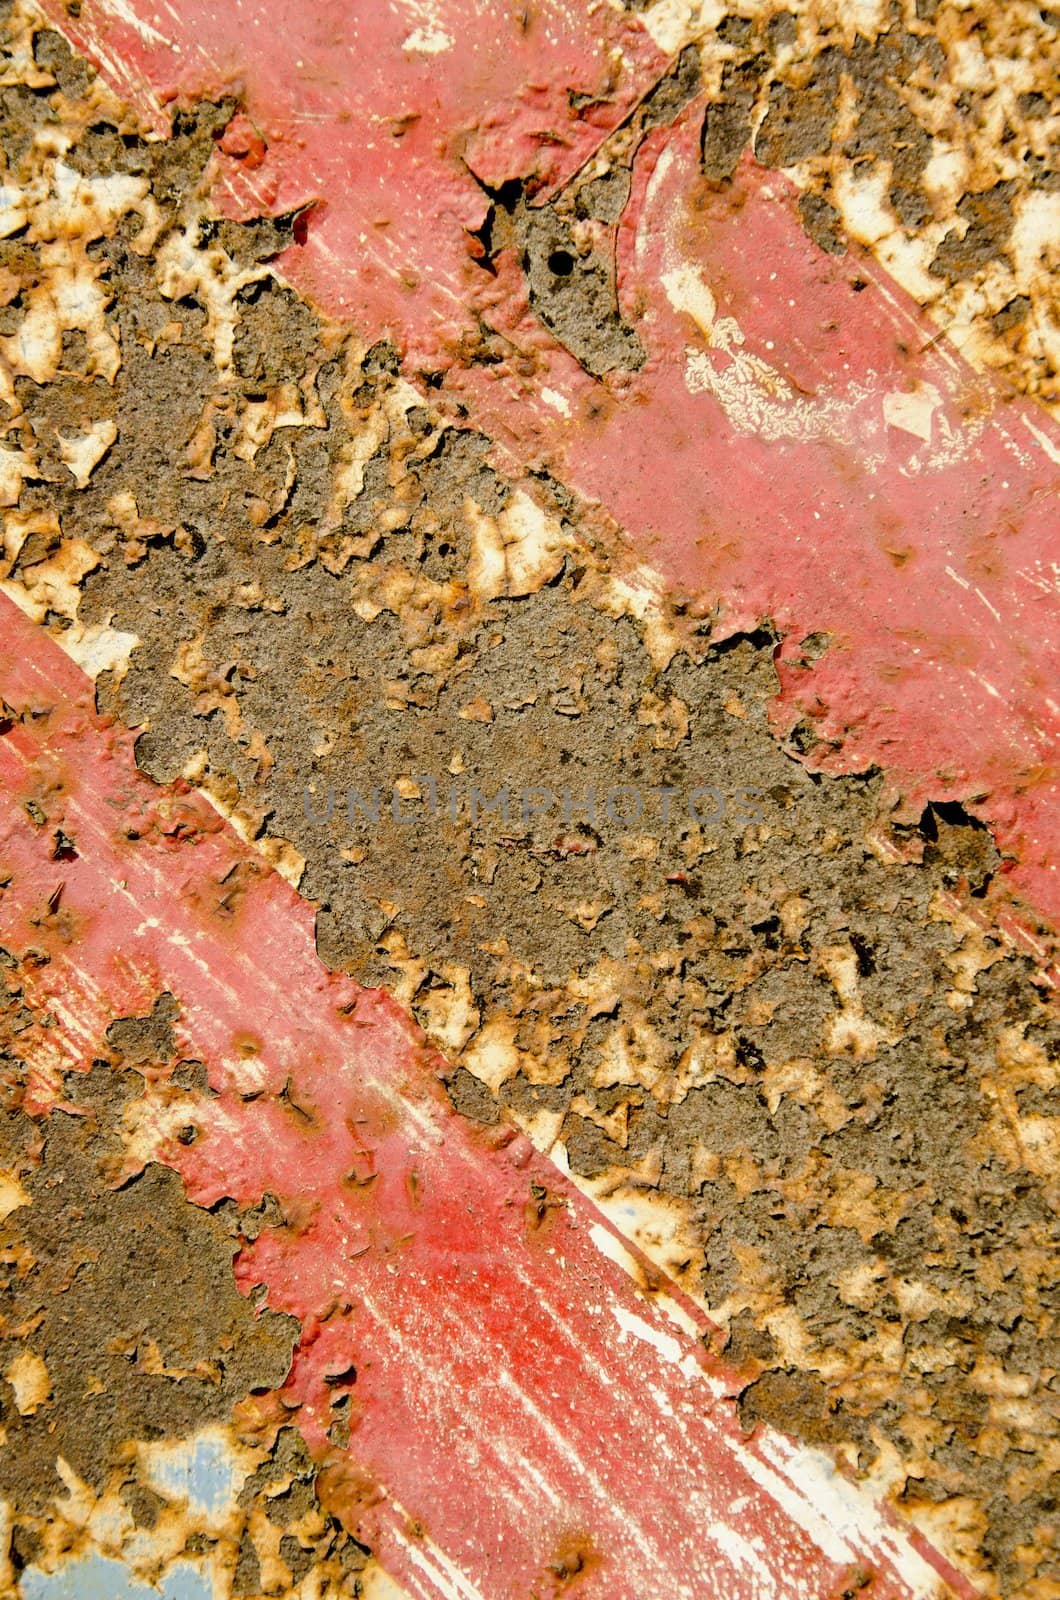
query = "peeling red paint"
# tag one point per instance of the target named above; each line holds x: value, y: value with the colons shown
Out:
x: 366, y: 113
x: 514, y: 1395
x: 814, y: 453
x: 929, y: 561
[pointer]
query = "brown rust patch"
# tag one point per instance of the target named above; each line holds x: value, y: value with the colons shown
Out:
x: 121, y: 1331
x: 125, y: 1293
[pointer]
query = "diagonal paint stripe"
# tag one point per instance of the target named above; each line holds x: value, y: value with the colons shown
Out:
x: 525, y: 1419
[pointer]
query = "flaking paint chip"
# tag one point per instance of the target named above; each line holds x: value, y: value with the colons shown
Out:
x: 477, y: 710
x: 28, y: 1377
x: 82, y: 452
x: 12, y: 1195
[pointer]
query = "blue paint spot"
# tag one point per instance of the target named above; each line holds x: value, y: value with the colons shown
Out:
x: 96, y: 1578
x: 200, y: 1473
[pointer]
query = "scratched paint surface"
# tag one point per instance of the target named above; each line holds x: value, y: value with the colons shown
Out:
x: 828, y: 463
x: 421, y: 1260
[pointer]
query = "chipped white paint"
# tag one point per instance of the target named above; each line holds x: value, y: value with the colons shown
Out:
x: 687, y: 291
x: 82, y: 452
x: 444, y: 1575
x: 12, y: 1194
x: 517, y: 552
x: 184, y: 267
x: 758, y: 399
x: 30, y: 1383
x: 125, y: 14
x: 912, y: 409
x: 429, y: 36
x: 53, y: 584
x: 852, y: 1517
x: 99, y: 648
x: 742, y: 1553
x: 428, y: 41
x: 1044, y: 440
x: 375, y: 1583
x: 635, y: 1327
x: 673, y: 23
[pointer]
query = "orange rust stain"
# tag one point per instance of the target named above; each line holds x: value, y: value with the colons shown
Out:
x: 574, y: 1560
x: 541, y: 1210
x: 347, y: 1491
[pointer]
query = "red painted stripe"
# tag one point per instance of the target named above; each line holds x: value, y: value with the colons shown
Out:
x: 764, y: 463
x: 369, y: 109
x: 518, y: 1404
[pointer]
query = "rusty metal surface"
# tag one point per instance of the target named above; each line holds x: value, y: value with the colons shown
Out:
x: 466, y: 1299
x: 708, y: 410
x: 794, y: 395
